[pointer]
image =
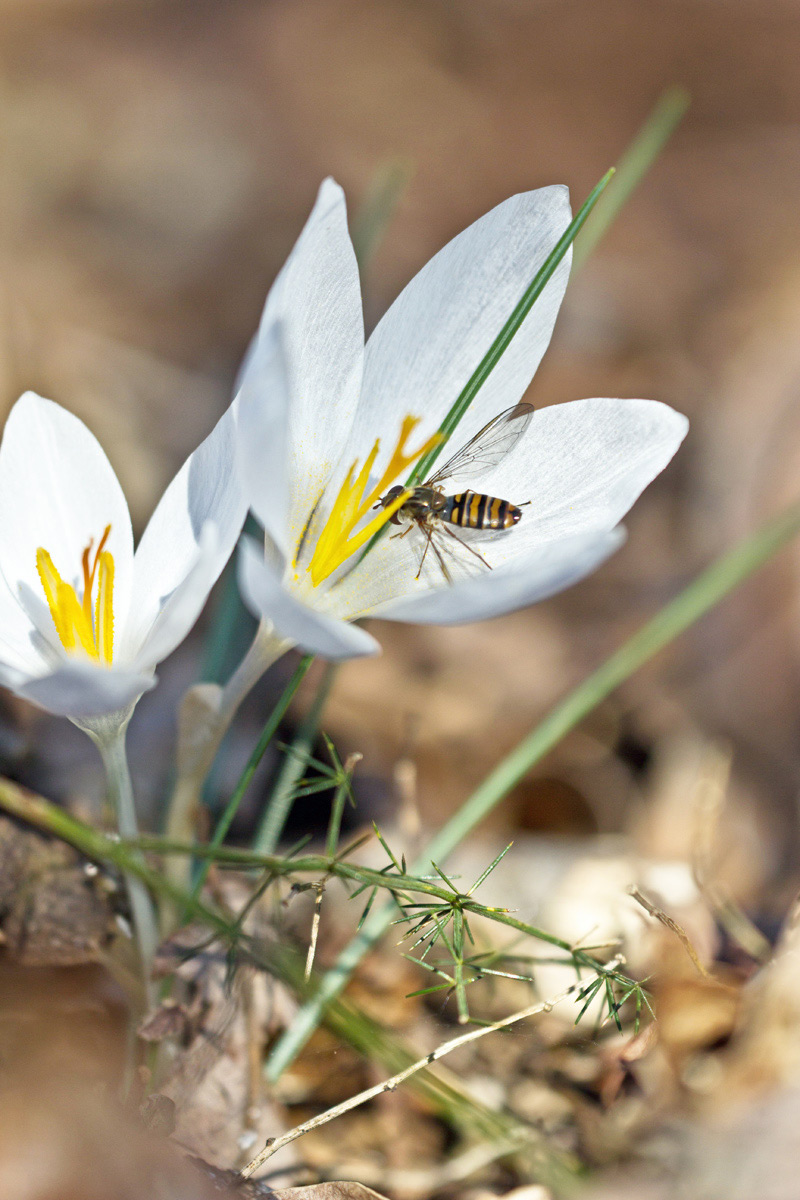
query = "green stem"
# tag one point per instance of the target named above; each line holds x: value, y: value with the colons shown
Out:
x: 697, y: 599
x: 205, y: 714
x: 327, y: 864
x: 294, y: 764
x: 377, y: 208
x: 111, y: 745
x: 232, y: 807
x: 669, y: 111
x: 335, y: 823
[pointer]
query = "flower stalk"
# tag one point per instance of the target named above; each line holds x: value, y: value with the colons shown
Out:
x: 267, y: 734
x: 110, y: 741
x: 205, y: 716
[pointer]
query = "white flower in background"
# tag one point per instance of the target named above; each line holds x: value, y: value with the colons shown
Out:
x: 83, y: 619
x: 325, y: 424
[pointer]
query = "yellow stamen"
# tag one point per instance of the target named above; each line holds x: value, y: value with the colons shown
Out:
x: 81, y: 625
x: 73, y: 621
x: 335, y: 543
x: 50, y: 582
x: 104, y: 609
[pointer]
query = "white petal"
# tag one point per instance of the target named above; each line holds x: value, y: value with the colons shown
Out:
x: 81, y: 689
x: 542, y: 573
x: 266, y: 597
x: 437, y: 331
x: 317, y: 300
x: 10, y: 676
x: 58, y: 490
x: 262, y: 420
x: 582, y: 465
x: 206, y: 492
x: 18, y: 635
x: 181, y: 609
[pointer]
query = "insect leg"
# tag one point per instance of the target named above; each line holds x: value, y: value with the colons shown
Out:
x: 403, y: 534
x: 467, y: 546
x: 440, y: 557
x: 428, y: 530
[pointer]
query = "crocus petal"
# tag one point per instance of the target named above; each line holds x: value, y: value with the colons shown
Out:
x: 582, y: 465
x: 432, y: 338
x: 262, y: 419
x: 317, y: 299
x: 538, y: 575
x: 206, y: 492
x: 18, y: 638
x: 58, y: 490
x: 180, y: 610
x: 265, y: 596
x: 10, y: 676
x: 81, y: 689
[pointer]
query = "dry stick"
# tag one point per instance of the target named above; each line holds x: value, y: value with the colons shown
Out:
x: 389, y: 1085
x: 673, y: 926
x: 319, y: 888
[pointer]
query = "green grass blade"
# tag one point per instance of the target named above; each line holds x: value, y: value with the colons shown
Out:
x: 286, y: 791
x: 637, y: 160
x: 725, y: 574
x: 378, y: 206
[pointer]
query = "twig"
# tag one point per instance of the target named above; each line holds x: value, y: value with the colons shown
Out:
x: 319, y: 888
x: 673, y: 926
x: 389, y: 1085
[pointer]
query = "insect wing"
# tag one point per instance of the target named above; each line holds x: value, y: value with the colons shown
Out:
x: 489, y: 446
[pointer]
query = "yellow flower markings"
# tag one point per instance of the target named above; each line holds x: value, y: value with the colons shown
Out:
x: 335, y: 543
x: 87, y: 624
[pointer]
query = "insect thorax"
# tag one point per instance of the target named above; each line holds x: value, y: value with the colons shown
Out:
x: 423, y: 504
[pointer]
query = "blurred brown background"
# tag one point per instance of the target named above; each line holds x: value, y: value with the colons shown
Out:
x: 158, y: 160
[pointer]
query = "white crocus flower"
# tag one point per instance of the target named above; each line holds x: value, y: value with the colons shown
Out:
x: 326, y: 423
x: 83, y: 619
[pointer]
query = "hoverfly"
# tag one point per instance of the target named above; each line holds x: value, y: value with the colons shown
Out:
x: 432, y: 511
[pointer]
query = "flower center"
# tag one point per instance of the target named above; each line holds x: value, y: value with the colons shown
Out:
x: 337, y: 542
x: 85, y: 624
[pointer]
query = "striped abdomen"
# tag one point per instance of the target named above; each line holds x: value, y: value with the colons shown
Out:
x: 475, y: 510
